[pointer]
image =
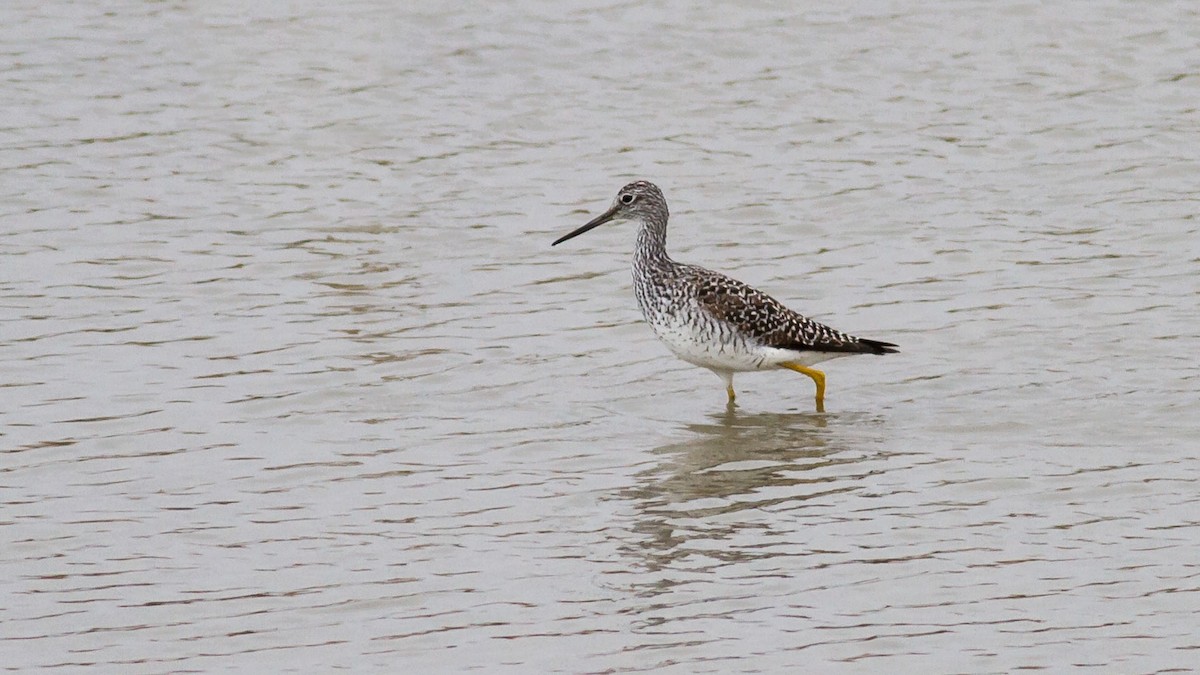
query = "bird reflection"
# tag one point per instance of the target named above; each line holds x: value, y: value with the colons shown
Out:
x: 743, y: 463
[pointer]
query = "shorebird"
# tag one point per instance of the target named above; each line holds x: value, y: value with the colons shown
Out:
x: 711, y: 320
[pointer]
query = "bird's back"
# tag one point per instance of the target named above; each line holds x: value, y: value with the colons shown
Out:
x: 738, y: 314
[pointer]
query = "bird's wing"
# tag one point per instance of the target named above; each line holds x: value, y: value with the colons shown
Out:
x: 760, y: 317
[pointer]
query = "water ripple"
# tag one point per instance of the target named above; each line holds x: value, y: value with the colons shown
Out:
x: 295, y: 382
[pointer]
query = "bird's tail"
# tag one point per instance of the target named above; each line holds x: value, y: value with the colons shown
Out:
x: 877, y: 347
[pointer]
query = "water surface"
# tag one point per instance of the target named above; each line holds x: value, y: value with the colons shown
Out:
x: 294, y: 383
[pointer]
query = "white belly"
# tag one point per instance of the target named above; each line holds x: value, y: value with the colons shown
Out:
x: 722, y: 350
x: 716, y: 350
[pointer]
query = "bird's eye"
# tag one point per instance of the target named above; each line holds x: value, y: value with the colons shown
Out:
x: 626, y: 199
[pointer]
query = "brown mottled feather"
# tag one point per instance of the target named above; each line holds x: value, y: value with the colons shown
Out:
x: 762, y: 318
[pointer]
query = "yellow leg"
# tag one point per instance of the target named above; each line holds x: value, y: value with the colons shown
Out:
x: 817, y: 376
x: 729, y: 390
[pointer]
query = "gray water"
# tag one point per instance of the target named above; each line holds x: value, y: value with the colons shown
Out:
x: 293, y: 382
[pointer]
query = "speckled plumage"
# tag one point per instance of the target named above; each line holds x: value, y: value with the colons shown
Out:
x: 711, y: 320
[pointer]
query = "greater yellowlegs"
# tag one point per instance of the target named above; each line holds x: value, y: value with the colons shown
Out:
x: 712, y: 321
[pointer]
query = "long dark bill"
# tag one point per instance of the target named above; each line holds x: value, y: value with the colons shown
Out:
x: 594, y: 223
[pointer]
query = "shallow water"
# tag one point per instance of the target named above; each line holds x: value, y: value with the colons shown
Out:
x: 294, y: 383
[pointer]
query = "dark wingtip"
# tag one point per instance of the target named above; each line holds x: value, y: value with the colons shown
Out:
x: 877, y: 347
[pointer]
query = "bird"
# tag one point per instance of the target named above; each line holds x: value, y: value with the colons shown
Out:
x: 714, y: 321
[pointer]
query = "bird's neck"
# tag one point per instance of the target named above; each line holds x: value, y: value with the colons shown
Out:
x: 651, y: 248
